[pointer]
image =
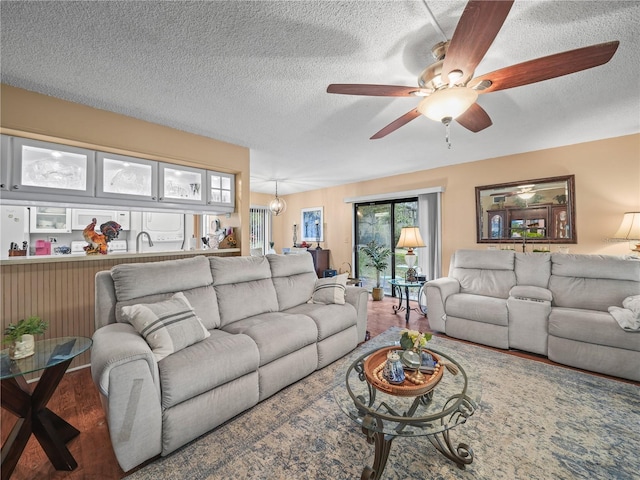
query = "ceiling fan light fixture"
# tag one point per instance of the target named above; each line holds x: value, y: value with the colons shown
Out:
x: 526, y: 195
x: 447, y: 102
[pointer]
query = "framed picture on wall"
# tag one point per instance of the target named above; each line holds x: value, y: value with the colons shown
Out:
x: 312, y: 224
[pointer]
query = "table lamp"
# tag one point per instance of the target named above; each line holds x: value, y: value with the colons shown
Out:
x: 630, y: 230
x: 410, y: 238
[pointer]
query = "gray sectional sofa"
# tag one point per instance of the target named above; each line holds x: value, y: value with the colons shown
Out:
x: 255, y: 333
x: 555, y: 305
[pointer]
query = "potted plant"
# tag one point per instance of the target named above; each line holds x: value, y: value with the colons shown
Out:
x: 378, y: 258
x: 20, y: 336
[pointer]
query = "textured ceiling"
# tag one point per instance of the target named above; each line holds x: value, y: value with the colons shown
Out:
x: 255, y: 73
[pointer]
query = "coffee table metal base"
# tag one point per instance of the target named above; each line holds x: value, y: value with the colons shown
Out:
x: 461, y: 455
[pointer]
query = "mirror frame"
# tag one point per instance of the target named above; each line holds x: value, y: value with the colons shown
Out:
x: 506, y: 211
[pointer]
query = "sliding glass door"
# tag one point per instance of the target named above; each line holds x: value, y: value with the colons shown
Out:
x: 382, y: 222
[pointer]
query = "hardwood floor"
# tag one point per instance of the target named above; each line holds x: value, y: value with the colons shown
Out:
x: 77, y: 401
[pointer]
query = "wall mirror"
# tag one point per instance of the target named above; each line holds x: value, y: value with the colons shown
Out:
x: 527, y: 211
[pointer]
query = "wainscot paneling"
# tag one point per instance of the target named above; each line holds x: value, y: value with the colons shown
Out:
x: 62, y: 293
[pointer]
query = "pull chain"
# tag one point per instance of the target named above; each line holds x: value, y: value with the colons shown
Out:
x: 447, y: 136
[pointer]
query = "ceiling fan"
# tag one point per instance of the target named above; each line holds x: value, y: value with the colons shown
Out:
x: 448, y: 88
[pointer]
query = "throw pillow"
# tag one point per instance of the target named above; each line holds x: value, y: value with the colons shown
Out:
x: 330, y: 290
x: 167, y: 326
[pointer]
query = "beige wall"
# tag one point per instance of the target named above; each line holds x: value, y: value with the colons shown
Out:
x: 28, y: 114
x: 607, y: 175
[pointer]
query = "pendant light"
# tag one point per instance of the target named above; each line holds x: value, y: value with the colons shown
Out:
x: 277, y: 205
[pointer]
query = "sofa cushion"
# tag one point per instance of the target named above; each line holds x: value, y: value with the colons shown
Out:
x: 590, y: 293
x: 484, y: 272
x: 478, y: 308
x: 533, y: 269
x: 491, y: 283
x: 233, y: 270
x: 484, y: 259
x: 167, y: 326
x: 276, y: 334
x: 594, y: 282
x: 596, y: 266
x: 330, y: 290
x: 202, y: 299
x: 293, y: 277
x: 598, y: 328
x: 243, y: 287
x: 531, y: 293
x: 247, y: 299
x: 329, y: 319
x: 216, y: 360
x: 135, y: 280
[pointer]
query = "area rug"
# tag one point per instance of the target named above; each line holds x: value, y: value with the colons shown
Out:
x: 535, y: 421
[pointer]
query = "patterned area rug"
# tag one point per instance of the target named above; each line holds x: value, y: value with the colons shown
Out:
x: 536, y: 421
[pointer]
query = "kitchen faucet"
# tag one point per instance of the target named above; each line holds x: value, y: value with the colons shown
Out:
x: 142, y: 233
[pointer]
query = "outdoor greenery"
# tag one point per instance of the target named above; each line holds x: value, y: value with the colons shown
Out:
x: 33, y: 326
x: 383, y: 223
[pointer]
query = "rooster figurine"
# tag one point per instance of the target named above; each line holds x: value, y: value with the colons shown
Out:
x: 98, y: 241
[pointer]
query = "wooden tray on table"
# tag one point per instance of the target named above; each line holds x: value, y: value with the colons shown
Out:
x: 374, y: 365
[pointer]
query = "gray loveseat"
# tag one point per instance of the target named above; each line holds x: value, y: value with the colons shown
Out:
x: 549, y: 304
x: 260, y: 335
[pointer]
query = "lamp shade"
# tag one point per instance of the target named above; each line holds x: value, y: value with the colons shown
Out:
x: 630, y: 227
x: 447, y: 103
x: 410, y: 238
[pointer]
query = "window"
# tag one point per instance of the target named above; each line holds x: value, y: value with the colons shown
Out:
x: 259, y: 230
x: 382, y: 222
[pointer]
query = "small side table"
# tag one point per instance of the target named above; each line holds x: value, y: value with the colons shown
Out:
x: 401, y: 285
x: 52, y: 432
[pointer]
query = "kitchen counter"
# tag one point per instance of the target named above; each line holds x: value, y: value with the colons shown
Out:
x: 35, y: 259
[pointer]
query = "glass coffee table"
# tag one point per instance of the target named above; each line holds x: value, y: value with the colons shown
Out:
x: 386, y: 412
x: 52, y: 357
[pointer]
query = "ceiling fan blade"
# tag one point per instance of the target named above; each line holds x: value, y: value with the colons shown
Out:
x: 474, y: 119
x: 372, y: 90
x: 477, y: 28
x: 544, y: 68
x: 396, y: 124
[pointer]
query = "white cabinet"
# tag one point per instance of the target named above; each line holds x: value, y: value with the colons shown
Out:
x: 50, y: 220
x: 126, y: 177
x: 51, y: 168
x: 5, y: 162
x: 221, y: 189
x: 80, y: 218
x: 180, y: 184
x: 46, y: 173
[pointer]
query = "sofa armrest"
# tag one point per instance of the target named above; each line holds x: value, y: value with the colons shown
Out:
x: 358, y: 297
x: 117, y: 344
x: 437, y: 291
x: 528, y: 292
x: 126, y: 373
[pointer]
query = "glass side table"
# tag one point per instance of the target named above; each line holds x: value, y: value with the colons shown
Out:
x: 53, y: 357
x: 385, y: 415
x: 403, y: 294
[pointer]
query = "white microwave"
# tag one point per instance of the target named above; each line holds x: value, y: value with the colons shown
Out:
x: 80, y: 218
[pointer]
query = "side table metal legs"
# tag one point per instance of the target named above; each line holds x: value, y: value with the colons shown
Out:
x: 51, y: 431
x: 399, y: 307
x: 404, y: 296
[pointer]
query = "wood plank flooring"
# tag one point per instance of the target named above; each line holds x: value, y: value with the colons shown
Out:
x: 77, y: 401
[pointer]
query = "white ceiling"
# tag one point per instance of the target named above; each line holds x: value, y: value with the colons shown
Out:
x: 255, y: 73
